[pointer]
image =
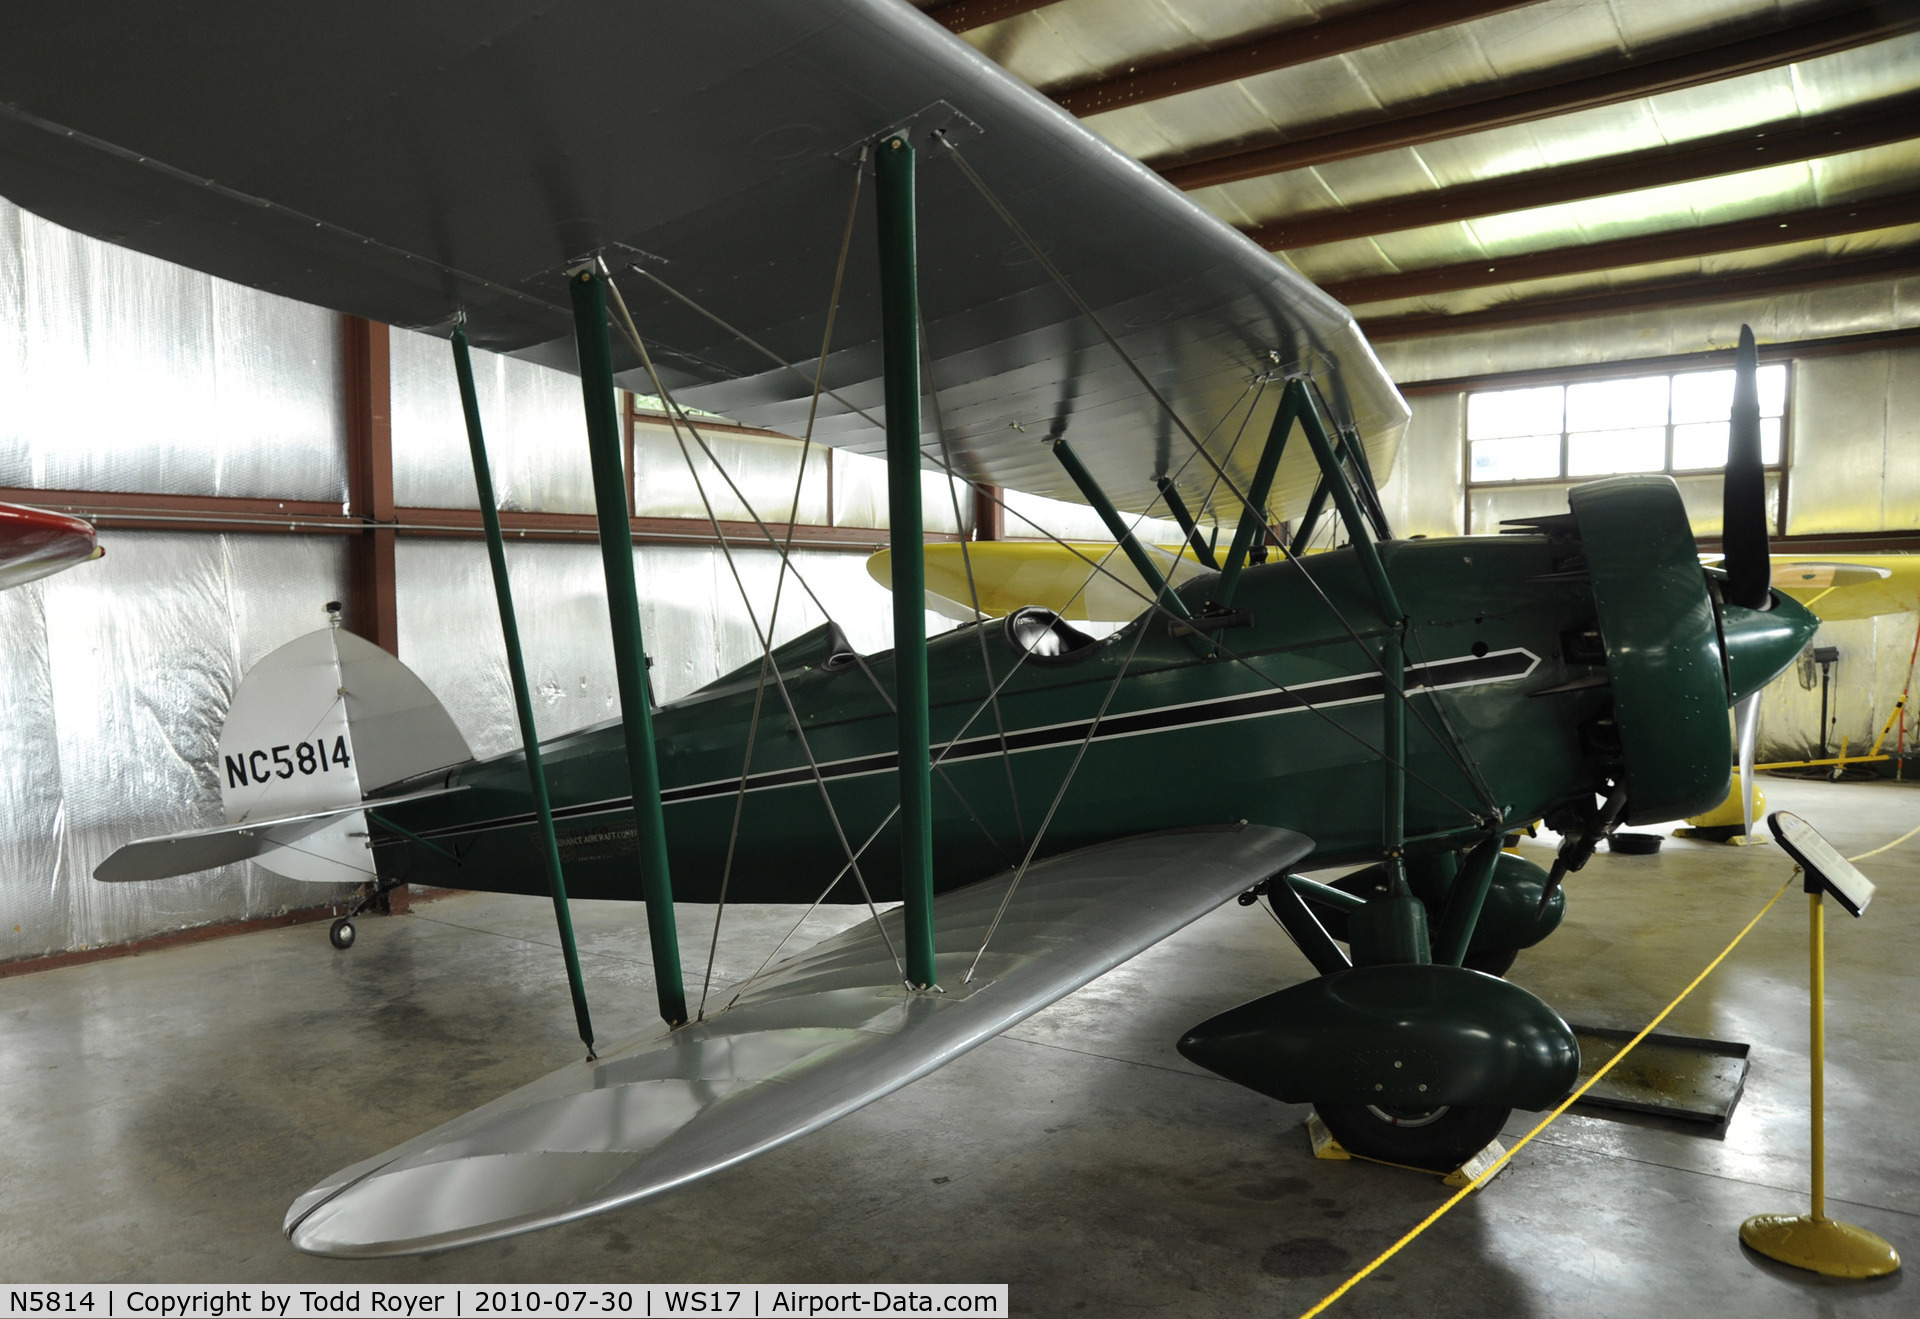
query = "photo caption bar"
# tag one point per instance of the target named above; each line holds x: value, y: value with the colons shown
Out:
x: 467, y: 1300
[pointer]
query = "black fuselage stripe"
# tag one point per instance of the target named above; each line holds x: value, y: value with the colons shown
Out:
x: 1463, y: 672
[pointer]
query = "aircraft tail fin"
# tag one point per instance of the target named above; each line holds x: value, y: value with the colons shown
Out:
x: 313, y: 728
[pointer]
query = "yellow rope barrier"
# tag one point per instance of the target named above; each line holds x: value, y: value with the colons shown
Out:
x: 1565, y: 1104
x: 1888, y: 847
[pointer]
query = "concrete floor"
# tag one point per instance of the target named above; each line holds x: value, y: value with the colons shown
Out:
x: 158, y: 1113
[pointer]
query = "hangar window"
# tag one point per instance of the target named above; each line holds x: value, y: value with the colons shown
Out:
x: 1665, y: 423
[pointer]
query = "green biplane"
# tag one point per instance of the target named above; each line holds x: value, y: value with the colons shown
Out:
x: 1042, y: 315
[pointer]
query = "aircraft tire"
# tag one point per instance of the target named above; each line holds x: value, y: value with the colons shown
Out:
x: 1437, y: 1139
x: 342, y: 933
x: 1491, y: 961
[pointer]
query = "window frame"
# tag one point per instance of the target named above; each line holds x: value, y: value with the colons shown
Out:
x: 1627, y: 371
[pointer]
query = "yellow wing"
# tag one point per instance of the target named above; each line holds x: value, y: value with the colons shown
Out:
x: 1009, y: 574
x: 1840, y: 587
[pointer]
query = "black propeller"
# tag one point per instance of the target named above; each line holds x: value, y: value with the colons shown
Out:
x: 1743, y: 514
x: 1744, y: 531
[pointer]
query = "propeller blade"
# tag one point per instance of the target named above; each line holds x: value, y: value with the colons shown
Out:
x: 1747, y: 720
x: 1744, y: 501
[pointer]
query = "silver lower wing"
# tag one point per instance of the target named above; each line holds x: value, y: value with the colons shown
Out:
x: 821, y: 1035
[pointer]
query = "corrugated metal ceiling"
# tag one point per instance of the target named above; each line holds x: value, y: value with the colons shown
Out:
x: 1737, y: 65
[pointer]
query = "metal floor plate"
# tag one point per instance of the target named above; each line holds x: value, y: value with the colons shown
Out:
x: 1667, y: 1075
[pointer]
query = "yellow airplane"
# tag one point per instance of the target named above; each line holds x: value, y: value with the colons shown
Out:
x: 1838, y: 588
x: 1091, y: 581
x: 1087, y: 581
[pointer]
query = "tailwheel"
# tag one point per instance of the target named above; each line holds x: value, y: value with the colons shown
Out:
x: 342, y: 934
x: 1439, y: 1139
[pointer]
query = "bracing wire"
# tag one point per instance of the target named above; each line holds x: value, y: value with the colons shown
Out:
x: 973, y: 589
x: 1099, y: 566
x: 1073, y: 295
x: 1391, y: 690
x: 640, y: 348
x: 858, y: 659
x: 1059, y: 796
x: 1040, y: 256
x: 780, y: 581
x: 811, y: 908
x: 793, y: 715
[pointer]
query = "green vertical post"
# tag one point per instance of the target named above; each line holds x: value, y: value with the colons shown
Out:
x: 589, y: 291
x: 1116, y: 526
x: 1393, y: 665
x: 1253, y: 521
x: 1177, y: 506
x: 1393, y: 729
x: 1309, y: 520
x: 1369, y: 489
x: 1344, y: 500
x: 1464, y: 902
x: 900, y: 365
x: 517, y: 671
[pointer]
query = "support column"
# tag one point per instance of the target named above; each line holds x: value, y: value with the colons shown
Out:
x: 372, y: 595
x: 589, y: 291
x: 517, y: 671
x: 989, y: 518
x: 900, y: 363
x: 370, y: 482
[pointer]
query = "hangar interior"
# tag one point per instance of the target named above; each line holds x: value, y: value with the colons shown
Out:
x: 1550, y: 218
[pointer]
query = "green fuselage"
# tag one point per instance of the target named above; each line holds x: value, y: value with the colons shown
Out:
x: 1280, y: 726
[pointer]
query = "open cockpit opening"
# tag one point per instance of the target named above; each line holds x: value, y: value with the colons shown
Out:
x: 1046, y: 638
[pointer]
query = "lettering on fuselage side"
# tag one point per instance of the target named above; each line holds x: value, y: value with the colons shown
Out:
x: 1356, y: 689
x: 592, y: 844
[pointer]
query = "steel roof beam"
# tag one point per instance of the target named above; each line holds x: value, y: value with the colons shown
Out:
x: 1657, y: 296
x: 1857, y: 25
x: 1893, y: 119
x: 1644, y: 249
x: 1282, y: 49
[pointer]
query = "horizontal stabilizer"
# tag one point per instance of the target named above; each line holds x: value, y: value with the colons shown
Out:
x: 205, y: 849
x: 823, y: 1034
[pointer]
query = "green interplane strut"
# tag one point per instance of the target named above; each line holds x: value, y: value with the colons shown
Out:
x: 1253, y: 517
x: 589, y: 290
x: 900, y: 364
x: 1309, y: 520
x: 522, y: 699
x: 1393, y: 710
x: 1117, y: 526
x: 1178, y: 507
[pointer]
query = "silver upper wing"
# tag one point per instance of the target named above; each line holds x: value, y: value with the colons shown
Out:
x: 821, y: 1035
x: 405, y: 162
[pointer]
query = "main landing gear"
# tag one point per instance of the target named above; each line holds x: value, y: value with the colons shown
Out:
x: 1437, y: 1139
